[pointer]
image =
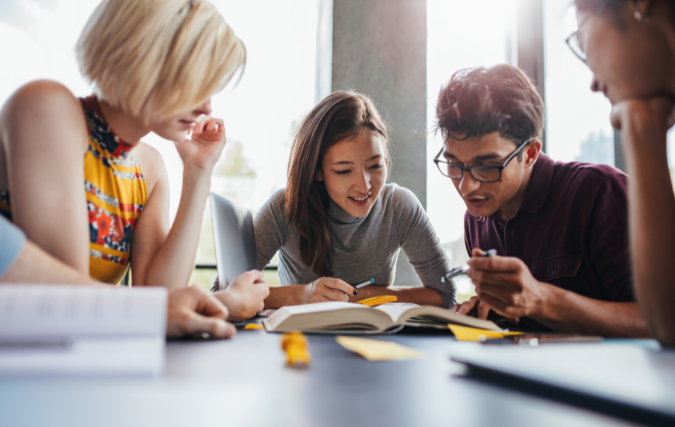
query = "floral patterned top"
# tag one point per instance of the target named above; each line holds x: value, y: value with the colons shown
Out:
x: 116, y: 194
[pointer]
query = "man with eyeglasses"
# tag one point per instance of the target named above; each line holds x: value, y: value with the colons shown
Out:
x: 560, y: 229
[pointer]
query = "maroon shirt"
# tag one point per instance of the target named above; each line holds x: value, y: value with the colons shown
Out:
x: 571, y: 230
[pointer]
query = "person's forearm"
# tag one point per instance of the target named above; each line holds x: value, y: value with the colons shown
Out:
x: 281, y: 296
x: 565, y: 311
x: 414, y: 294
x: 35, y: 266
x: 652, y: 227
x: 173, y: 264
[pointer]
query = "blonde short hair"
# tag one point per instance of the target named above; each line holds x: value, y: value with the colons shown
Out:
x: 156, y: 58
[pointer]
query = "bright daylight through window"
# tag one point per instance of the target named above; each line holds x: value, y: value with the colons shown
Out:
x: 459, y: 35
x: 577, y: 120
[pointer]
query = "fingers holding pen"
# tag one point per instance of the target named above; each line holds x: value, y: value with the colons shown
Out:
x: 328, y: 289
x: 494, y: 264
x: 341, y: 286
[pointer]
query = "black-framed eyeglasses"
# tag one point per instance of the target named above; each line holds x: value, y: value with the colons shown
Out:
x: 490, y: 173
x: 574, y: 45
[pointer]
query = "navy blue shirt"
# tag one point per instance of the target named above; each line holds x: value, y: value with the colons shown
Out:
x: 571, y: 230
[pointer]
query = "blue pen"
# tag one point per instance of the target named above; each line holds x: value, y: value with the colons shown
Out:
x: 366, y: 283
x: 463, y: 269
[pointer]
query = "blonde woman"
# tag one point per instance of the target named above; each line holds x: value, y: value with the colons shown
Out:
x: 74, y: 174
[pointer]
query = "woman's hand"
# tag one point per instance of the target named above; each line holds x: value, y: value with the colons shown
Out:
x: 245, y: 296
x: 644, y: 117
x: 325, y: 289
x: 193, y: 311
x: 205, y: 146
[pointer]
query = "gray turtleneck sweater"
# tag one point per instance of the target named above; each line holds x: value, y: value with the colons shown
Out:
x: 363, y: 248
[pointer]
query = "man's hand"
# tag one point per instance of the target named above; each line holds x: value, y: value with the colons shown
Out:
x: 506, y: 285
x: 193, y: 311
x: 325, y: 289
x: 477, y: 308
x: 473, y: 307
x: 245, y: 296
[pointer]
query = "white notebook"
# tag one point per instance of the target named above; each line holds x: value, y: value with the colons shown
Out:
x: 81, y: 330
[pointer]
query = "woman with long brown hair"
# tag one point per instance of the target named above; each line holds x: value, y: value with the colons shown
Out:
x: 338, y: 223
x: 630, y: 47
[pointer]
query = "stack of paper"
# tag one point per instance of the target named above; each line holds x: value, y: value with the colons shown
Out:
x: 81, y: 330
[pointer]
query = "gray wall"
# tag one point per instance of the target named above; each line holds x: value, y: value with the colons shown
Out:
x: 379, y: 48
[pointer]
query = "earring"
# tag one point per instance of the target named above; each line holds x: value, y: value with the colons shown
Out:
x: 640, y: 17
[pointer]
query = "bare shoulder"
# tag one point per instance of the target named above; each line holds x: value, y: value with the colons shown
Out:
x: 42, y: 99
x: 152, y: 165
x: 43, y: 105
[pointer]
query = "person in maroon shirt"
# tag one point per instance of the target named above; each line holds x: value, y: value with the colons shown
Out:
x: 560, y: 229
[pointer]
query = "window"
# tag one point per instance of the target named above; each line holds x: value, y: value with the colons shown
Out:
x: 37, y: 41
x: 577, y: 120
x: 261, y: 114
x: 459, y: 35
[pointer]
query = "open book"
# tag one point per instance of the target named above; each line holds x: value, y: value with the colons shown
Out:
x: 81, y: 330
x: 326, y: 316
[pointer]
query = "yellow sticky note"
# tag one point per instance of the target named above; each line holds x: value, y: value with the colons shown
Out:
x: 381, y: 299
x: 253, y: 326
x: 465, y: 333
x: 376, y: 350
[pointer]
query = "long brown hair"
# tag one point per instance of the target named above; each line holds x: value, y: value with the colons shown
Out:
x: 339, y: 116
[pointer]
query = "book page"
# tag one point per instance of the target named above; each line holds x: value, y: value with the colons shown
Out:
x: 39, y: 312
x: 319, y: 307
x: 400, y: 312
x: 395, y: 309
x: 326, y: 316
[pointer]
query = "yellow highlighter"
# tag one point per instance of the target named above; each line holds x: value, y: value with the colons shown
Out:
x: 253, y: 326
x: 382, y: 299
x: 297, y: 350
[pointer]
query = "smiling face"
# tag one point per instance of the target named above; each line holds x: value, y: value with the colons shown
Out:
x: 177, y: 127
x: 354, y: 172
x: 629, y: 58
x: 502, y: 197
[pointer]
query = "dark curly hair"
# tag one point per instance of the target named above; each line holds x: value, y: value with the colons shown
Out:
x: 479, y: 101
